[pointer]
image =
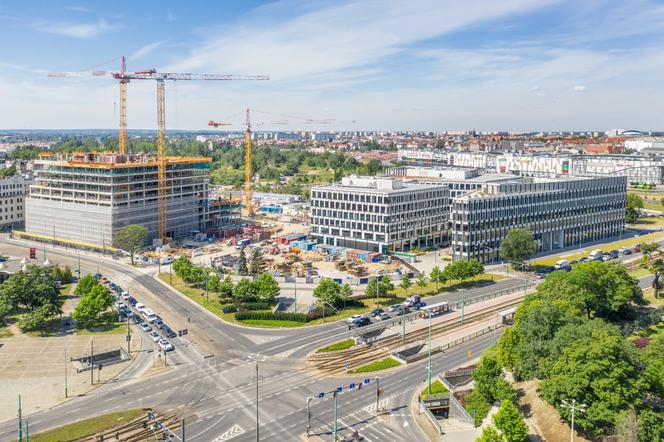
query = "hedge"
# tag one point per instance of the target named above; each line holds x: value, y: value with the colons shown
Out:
x: 318, y: 313
x: 246, y: 306
x: 279, y: 316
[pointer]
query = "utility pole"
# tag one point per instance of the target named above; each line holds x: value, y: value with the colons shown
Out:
x: 27, y: 431
x: 429, y: 374
x: 257, y: 421
x: 20, y: 422
x: 334, y: 396
x: 182, y: 430
x: 573, y: 407
x: 435, y: 264
x: 308, y: 416
x: 206, y: 286
x: 170, y: 274
x: 128, y: 339
x: 403, y: 320
x: 295, y: 291
x: 463, y: 305
x: 377, y: 392
x: 92, y: 365
x: 65, y: 372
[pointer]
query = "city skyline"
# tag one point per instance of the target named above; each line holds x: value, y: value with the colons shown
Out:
x: 516, y: 65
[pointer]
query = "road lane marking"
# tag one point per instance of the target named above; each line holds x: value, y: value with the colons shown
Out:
x: 234, y: 431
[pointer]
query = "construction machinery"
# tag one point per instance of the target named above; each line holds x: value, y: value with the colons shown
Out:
x: 160, y: 77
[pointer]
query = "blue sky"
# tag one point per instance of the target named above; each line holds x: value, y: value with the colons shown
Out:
x: 383, y: 65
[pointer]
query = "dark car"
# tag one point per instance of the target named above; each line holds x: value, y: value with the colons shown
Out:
x: 138, y: 319
x: 574, y: 262
x: 361, y: 322
x: 132, y: 301
x: 169, y: 332
x: 614, y: 253
x: 377, y: 312
x: 159, y: 323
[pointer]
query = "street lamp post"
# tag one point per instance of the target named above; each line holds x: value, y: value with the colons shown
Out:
x: 574, y: 407
x: 295, y: 291
x: 257, y: 421
x: 429, y: 371
x: 308, y: 416
x: 334, y: 396
x: 66, y: 393
x: 403, y: 320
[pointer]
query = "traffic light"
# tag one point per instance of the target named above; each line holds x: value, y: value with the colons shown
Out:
x: 33, y: 253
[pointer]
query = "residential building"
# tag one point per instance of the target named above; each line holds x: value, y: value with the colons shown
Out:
x: 12, y: 200
x: 379, y: 214
x: 561, y: 212
x: 89, y: 197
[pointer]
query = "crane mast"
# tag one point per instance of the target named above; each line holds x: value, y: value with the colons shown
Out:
x: 122, y: 137
x: 247, y: 167
x: 162, y: 196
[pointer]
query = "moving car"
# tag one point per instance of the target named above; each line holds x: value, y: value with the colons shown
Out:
x: 146, y: 328
x: 361, y: 322
x: 395, y: 307
x: 165, y: 345
x: 155, y: 336
x: 377, y: 312
x: 169, y: 332
x: 383, y: 317
x: 354, y: 318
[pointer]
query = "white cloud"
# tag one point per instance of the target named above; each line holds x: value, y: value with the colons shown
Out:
x: 77, y: 30
x: 145, y: 50
x: 579, y: 88
x: 79, y: 9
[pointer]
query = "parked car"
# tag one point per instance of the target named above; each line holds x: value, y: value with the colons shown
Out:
x: 155, y: 336
x: 377, y: 312
x: 146, y: 328
x: 165, y: 345
x: 383, y: 317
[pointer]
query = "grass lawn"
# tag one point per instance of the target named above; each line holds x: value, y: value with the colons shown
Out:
x: 414, y: 289
x: 88, y: 426
x: 377, y: 365
x: 649, y: 294
x: 341, y: 345
x: 5, y: 332
x: 653, y: 205
x: 639, y: 273
x: 107, y: 328
x: 575, y: 255
x: 437, y: 388
x: 198, y: 295
x: 50, y: 328
x: 653, y: 221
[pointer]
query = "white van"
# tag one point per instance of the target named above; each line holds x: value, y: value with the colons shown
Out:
x: 140, y: 307
x: 166, y: 260
x: 562, y: 264
x: 149, y: 315
x: 125, y: 295
x: 596, y: 255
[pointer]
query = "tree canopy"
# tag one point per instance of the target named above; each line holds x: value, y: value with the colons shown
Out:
x: 131, y: 239
x: 518, y: 245
x: 330, y: 292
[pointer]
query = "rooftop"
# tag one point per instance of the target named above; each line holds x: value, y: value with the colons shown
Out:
x: 110, y: 160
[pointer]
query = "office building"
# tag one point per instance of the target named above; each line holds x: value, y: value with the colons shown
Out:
x: 12, y: 200
x: 379, y: 214
x: 561, y: 212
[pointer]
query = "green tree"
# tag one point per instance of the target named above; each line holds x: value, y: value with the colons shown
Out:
x: 436, y: 275
x: 379, y: 287
x: 328, y: 291
x: 490, y: 434
x: 266, y: 287
x: 600, y: 369
x: 421, y: 280
x: 632, y: 206
x: 486, y: 375
x: 518, y: 245
x: 131, y: 239
x: 651, y: 426
x: 37, y: 318
x: 256, y: 263
x: 182, y: 267
x: 242, y: 264
x: 509, y: 421
x: 244, y: 290
x: 85, y: 284
x: 405, y: 281
x: 654, y: 369
x: 599, y: 289
x: 28, y: 289
x: 226, y: 288
x: 345, y: 293
x: 654, y: 264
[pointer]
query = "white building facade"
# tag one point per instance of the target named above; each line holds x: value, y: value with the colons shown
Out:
x: 379, y: 214
x: 13, y: 191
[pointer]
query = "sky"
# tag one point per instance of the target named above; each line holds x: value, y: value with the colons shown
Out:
x: 434, y: 65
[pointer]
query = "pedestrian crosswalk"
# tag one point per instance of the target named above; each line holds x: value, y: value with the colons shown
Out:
x: 261, y: 339
x: 232, y: 432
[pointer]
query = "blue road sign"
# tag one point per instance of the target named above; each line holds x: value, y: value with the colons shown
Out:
x: 339, y: 389
x: 367, y: 380
x: 321, y: 395
x: 351, y: 385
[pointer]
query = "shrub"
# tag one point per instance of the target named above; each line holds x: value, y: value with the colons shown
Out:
x: 278, y: 316
x: 475, y: 401
x: 318, y: 313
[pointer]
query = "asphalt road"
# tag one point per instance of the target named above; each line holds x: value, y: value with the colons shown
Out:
x: 212, y: 382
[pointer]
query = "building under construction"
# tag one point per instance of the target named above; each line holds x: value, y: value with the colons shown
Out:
x: 88, y: 197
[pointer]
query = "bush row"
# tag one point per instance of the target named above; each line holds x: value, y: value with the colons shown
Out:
x: 278, y: 316
x: 247, y: 306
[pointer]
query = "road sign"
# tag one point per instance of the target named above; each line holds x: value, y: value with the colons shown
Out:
x: 321, y: 395
x: 351, y: 385
x: 367, y: 380
x: 339, y: 389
